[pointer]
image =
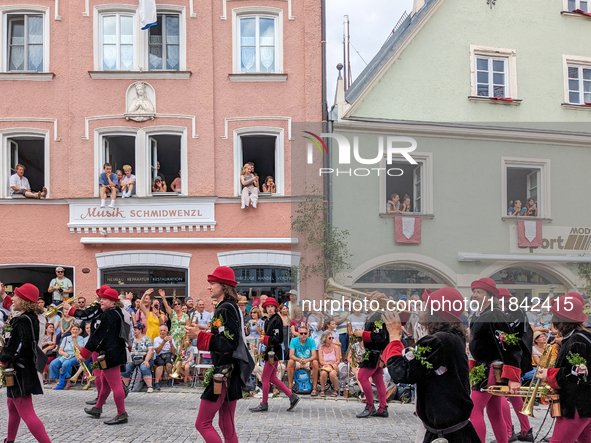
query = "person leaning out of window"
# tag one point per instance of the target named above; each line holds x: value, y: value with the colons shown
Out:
x: 269, y: 185
x: 515, y: 209
x: 393, y: 205
x: 159, y: 185
x: 531, y: 209
x: 250, y: 186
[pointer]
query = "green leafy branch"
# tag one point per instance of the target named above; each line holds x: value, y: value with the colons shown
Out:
x: 364, y: 357
x: 208, y: 377
x: 420, y: 356
x: 576, y: 359
x: 477, y: 375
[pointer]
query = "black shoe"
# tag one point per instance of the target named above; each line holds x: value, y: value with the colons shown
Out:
x: 293, y: 401
x: 92, y: 402
x: 512, y: 438
x: 367, y: 412
x: 528, y: 436
x: 94, y: 411
x: 8, y: 441
x: 125, y: 389
x: 118, y: 420
x: 263, y: 407
x: 381, y: 412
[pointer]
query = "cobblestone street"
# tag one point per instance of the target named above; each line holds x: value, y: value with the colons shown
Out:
x: 169, y: 416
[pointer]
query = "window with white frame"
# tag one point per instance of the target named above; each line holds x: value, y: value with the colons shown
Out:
x: 257, y: 36
x: 261, y: 150
x: 407, y: 188
x: 165, y: 161
x: 491, y: 77
x: 25, y: 42
x: 526, y: 188
x: 581, y: 5
x: 579, y: 84
x: 117, y: 41
x: 164, y: 43
x: 28, y: 151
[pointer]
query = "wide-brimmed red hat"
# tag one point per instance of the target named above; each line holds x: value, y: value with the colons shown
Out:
x: 100, y: 291
x: 110, y: 294
x: 488, y: 284
x: 28, y: 292
x: 577, y: 296
x: 223, y: 275
x: 504, y: 294
x: 448, y: 301
x: 270, y: 301
x: 568, y: 309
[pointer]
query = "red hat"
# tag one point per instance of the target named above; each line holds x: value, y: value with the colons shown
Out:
x: 28, y: 292
x: 576, y: 295
x: 100, y: 291
x: 448, y: 301
x: 488, y: 284
x: 270, y: 301
x: 223, y: 275
x: 569, y: 309
x: 504, y: 294
x: 110, y: 294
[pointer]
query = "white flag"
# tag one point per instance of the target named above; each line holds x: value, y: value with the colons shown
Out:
x: 408, y: 226
x: 148, y: 15
x: 530, y: 230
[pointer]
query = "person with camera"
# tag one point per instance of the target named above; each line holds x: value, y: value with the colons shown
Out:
x: 20, y: 353
x: 165, y: 356
x: 225, y: 386
x: 106, y: 340
x: 59, y: 286
x: 272, y: 339
x: 142, y: 353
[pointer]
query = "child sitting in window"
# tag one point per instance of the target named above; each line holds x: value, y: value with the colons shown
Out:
x: 269, y: 185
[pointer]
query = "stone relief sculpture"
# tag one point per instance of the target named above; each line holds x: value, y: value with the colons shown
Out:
x: 140, y: 101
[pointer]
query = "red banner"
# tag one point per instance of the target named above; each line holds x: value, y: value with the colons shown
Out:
x: 529, y: 233
x: 407, y: 229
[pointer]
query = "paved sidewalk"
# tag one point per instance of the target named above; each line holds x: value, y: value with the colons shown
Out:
x: 169, y: 416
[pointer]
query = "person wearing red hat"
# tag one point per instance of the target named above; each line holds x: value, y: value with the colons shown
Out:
x: 106, y: 341
x: 438, y: 364
x: 18, y: 353
x: 519, y: 322
x: 272, y: 339
x: 492, y: 340
x: 570, y: 377
x: 91, y: 315
x: 227, y: 326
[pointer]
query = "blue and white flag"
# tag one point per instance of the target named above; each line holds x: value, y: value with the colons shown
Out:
x: 148, y: 15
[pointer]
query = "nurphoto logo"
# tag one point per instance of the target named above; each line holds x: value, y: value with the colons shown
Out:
x: 395, y: 145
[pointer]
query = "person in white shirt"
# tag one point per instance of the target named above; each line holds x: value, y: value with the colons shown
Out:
x: 60, y: 285
x: 165, y: 355
x: 127, y: 182
x: 19, y: 184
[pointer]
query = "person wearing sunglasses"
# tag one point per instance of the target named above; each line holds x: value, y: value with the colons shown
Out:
x: 60, y: 285
x: 178, y: 318
x: 303, y: 354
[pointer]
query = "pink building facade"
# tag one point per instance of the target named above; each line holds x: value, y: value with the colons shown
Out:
x: 212, y: 86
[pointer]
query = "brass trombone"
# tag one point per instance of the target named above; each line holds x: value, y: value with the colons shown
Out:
x: 524, y: 391
x: 52, y: 312
x: 331, y: 286
x: 89, y: 377
x: 544, y: 363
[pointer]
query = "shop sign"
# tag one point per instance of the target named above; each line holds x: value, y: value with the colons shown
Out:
x: 567, y: 240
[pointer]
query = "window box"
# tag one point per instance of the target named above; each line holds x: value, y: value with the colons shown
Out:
x: 495, y: 100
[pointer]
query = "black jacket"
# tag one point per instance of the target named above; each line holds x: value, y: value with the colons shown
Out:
x: 22, y: 360
x: 375, y: 340
x: 520, y: 325
x: 442, y: 390
x: 105, y: 339
x: 222, y: 345
x: 91, y: 314
x: 274, y: 330
x: 575, y: 393
x: 485, y: 346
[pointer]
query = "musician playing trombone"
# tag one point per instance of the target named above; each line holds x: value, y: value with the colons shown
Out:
x: 438, y: 364
x: 570, y: 376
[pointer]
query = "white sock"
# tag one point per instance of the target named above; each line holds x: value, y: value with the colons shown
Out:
x: 102, y: 203
x: 112, y: 205
x: 254, y: 205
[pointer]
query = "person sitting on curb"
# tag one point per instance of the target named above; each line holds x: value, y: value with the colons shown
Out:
x: 303, y: 355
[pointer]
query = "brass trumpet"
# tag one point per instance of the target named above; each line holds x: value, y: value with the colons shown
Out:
x: 544, y: 362
x: 331, y: 286
x: 524, y: 391
x: 89, y: 377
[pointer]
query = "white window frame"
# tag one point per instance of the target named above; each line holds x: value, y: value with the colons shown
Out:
x: 142, y: 165
x: 118, y: 16
x: 578, y: 5
x: 5, y: 171
x: 509, y: 55
x: 278, y: 133
x: 426, y: 161
x: 5, y: 11
x: 573, y: 61
x: 168, y: 10
x: 543, y: 185
x: 141, y: 47
x: 264, y: 12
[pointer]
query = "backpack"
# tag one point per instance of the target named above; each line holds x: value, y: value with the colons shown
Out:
x: 301, y: 380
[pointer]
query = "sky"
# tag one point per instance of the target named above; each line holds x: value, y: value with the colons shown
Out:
x: 370, y: 24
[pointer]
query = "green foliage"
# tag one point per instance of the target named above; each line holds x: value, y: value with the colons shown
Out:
x: 510, y: 339
x: 477, y: 375
x: 365, y: 356
x: 94, y: 366
x: 326, y: 251
x: 208, y: 377
x: 420, y: 356
x: 576, y: 359
x: 585, y: 274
